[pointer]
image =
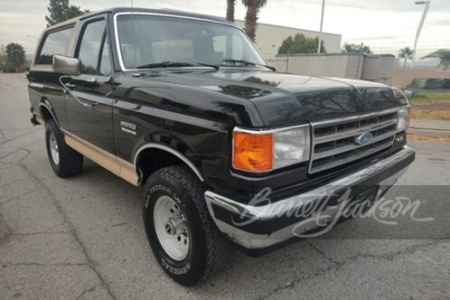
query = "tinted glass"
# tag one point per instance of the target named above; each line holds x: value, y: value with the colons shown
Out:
x: 90, y: 46
x: 105, y: 62
x: 151, y: 39
x: 54, y: 44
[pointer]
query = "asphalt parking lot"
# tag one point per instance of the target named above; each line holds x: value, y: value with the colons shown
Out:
x: 82, y: 238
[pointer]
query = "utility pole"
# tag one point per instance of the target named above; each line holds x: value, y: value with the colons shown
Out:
x: 321, y: 26
x: 419, y: 29
x: 287, y: 61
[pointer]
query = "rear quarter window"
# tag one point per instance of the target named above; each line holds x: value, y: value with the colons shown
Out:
x: 55, y: 43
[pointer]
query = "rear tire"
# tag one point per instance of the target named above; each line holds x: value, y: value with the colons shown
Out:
x: 174, y: 210
x: 65, y: 161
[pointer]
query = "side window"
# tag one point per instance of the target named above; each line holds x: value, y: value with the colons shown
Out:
x: 105, y: 62
x: 93, y: 51
x: 55, y: 43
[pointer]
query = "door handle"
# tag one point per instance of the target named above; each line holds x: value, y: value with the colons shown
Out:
x: 70, y: 85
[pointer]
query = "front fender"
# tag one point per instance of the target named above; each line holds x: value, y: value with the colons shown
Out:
x: 46, y: 111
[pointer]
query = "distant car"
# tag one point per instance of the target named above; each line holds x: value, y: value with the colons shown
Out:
x: 185, y: 105
x: 435, y: 84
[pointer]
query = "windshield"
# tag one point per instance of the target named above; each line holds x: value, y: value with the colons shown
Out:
x: 147, y: 39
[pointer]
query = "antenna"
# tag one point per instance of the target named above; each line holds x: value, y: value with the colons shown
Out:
x: 131, y: 3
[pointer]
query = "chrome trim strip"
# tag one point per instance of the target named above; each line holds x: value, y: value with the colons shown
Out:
x: 348, y: 133
x: 338, y: 121
x: 259, y: 241
x: 352, y: 147
x: 266, y: 131
x: 354, y: 157
x: 128, y: 130
x: 36, y: 85
x: 171, y: 151
x: 273, y: 210
x: 43, y: 104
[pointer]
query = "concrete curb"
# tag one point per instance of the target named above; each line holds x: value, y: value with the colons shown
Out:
x: 429, y: 132
x: 430, y: 127
x: 433, y: 129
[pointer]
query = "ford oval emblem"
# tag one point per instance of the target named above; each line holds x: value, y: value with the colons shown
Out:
x: 363, y: 138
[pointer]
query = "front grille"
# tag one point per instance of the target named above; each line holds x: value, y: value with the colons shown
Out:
x: 333, y: 142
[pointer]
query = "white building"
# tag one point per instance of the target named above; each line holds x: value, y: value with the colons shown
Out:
x: 269, y: 38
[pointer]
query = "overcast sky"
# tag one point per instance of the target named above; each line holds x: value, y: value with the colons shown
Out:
x: 384, y: 25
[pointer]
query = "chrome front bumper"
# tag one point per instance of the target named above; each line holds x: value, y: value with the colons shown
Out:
x: 238, y: 213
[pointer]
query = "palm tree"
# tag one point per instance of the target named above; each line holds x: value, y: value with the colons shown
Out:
x: 406, y: 53
x: 251, y: 18
x: 443, y: 55
x: 230, y: 10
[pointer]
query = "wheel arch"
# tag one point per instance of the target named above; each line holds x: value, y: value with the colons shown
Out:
x: 154, y: 151
x: 46, y: 111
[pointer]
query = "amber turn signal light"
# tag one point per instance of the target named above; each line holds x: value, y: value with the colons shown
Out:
x: 253, y: 152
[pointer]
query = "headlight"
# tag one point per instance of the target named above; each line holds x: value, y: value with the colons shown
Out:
x: 400, y: 96
x: 403, y: 119
x: 264, y: 151
x: 292, y: 146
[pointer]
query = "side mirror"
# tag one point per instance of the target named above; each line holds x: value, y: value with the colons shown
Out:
x: 66, y: 65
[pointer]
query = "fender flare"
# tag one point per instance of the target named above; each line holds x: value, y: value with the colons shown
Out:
x: 171, y: 151
x: 46, y: 104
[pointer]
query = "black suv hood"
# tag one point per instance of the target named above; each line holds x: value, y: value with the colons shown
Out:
x: 285, y: 99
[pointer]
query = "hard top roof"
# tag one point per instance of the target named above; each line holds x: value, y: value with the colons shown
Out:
x: 156, y: 11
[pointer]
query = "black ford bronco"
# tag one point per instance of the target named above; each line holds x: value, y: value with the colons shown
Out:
x: 227, y: 149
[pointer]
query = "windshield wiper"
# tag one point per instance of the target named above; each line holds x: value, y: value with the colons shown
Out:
x: 172, y: 64
x: 247, y: 63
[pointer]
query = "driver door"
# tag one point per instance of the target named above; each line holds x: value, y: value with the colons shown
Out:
x: 89, y: 108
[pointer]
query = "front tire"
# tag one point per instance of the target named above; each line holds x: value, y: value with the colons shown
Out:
x: 184, y: 239
x: 65, y: 161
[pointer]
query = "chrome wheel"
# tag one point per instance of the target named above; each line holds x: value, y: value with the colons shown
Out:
x: 53, y: 144
x: 171, y: 228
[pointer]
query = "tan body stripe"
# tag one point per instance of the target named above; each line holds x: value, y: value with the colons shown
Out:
x: 39, y: 120
x: 114, y: 164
